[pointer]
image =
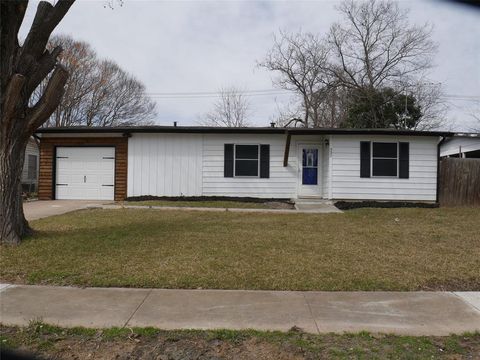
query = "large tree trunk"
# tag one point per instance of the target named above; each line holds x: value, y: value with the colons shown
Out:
x: 13, y: 225
x: 22, y: 69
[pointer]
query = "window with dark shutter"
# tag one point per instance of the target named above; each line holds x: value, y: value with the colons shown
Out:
x: 365, y: 159
x: 264, y: 161
x: 404, y: 160
x: 246, y: 160
x: 228, y: 160
x: 384, y: 159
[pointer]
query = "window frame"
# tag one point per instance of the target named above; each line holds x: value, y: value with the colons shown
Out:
x: 397, y: 158
x: 29, y: 157
x: 235, y: 161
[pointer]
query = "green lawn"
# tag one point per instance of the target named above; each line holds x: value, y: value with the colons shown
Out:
x: 364, y: 249
x: 150, y: 343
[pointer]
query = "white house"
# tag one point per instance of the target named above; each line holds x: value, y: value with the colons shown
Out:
x: 464, y: 145
x: 288, y: 163
x: 30, y: 167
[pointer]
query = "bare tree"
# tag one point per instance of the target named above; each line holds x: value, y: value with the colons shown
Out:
x: 232, y: 109
x: 376, y: 47
x: 430, y: 98
x: 474, y: 113
x: 98, y: 92
x: 300, y: 60
x: 22, y: 69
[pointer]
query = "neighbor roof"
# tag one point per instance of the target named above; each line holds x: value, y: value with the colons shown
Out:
x: 230, y: 130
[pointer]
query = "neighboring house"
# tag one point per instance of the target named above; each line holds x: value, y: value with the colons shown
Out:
x: 30, y: 167
x: 464, y: 145
x: 350, y: 164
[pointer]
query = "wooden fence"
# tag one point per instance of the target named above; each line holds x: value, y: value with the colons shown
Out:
x: 459, y: 182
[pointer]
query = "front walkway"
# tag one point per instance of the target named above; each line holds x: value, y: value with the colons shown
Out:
x: 407, y: 313
x: 43, y: 208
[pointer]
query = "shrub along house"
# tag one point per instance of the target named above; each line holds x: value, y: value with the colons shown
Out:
x: 287, y: 163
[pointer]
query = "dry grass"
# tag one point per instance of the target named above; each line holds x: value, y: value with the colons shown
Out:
x: 365, y: 249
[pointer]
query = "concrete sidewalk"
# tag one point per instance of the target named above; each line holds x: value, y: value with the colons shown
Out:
x: 412, y: 313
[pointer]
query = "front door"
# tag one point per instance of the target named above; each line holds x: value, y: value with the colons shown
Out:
x: 309, y: 170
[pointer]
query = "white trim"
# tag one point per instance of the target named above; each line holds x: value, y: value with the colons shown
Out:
x: 385, y: 158
x: 319, y: 147
x: 235, y: 161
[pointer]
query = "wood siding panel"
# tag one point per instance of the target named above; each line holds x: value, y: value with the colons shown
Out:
x: 165, y: 165
x: 47, y: 149
x: 345, y: 171
x: 282, y: 182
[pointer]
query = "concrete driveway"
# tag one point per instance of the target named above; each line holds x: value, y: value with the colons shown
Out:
x: 43, y: 208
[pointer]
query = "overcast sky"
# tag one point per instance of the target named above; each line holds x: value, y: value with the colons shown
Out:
x: 200, y: 46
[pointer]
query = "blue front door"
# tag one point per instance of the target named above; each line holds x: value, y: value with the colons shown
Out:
x: 310, y: 166
x: 309, y: 178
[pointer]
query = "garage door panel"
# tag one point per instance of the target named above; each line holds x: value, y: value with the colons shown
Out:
x: 85, y: 171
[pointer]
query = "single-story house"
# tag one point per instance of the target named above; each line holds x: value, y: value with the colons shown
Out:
x: 30, y: 167
x: 463, y: 145
x: 271, y: 162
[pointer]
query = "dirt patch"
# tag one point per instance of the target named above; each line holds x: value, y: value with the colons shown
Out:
x: 471, y: 284
x: 208, y: 198
x: 350, y: 205
x: 55, y: 343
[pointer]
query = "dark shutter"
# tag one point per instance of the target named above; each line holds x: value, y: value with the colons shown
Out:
x: 365, y: 159
x: 264, y: 161
x: 404, y: 160
x: 228, y: 160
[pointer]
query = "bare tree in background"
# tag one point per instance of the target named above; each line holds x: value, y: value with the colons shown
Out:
x: 474, y: 113
x: 300, y: 60
x: 232, y: 109
x: 373, y: 48
x: 376, y: 47
x: 98, y: 92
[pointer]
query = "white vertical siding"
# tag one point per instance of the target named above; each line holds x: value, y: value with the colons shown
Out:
x: 345, y: 170
x: 165, y: 165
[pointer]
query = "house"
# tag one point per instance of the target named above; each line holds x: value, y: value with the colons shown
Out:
x: 349, y: 164
x: 463, y: 145
x: 30, y: 167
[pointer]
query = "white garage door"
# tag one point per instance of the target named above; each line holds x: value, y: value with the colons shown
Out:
x: 85, y: 173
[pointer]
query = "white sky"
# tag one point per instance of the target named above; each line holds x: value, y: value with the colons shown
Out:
x: 200, y: 46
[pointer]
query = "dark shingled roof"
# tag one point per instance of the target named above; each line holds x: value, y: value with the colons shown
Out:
x: 243, y: 130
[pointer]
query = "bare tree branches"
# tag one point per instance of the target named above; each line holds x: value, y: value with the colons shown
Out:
x: 98, y: 92
x: 374, y: 47
x: 301, y: 60
x: 232, y: 109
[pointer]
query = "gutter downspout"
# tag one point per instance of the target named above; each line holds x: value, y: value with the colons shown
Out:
x: 438, y: 166
x: 287, y: 148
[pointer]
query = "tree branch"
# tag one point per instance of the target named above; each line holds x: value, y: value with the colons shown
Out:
x: 46, y: 19
x: 11, y: 96
x: 50, y: 99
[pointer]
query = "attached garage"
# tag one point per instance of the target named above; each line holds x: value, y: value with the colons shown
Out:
x: 85, y: 173
x: 83, y: 168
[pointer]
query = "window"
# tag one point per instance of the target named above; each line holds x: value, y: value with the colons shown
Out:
x: 32, y: 167
x: 384, y: 159
x: 246, y: 160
